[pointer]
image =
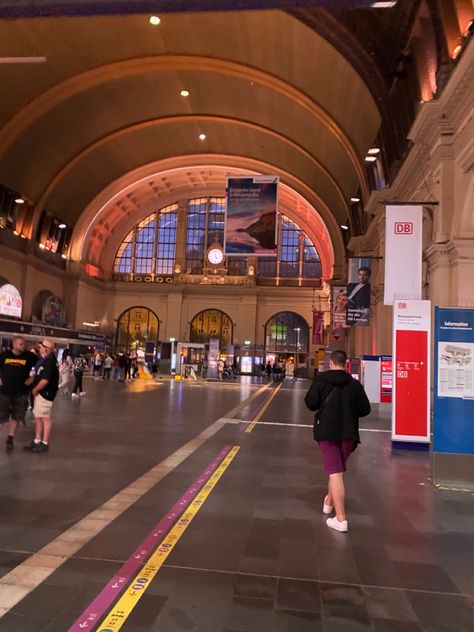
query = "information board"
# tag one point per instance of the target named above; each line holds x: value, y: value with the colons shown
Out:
x: 454, y: 381
x: 411, y: 371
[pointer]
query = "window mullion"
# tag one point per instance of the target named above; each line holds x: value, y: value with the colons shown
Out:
x: 155, y: 242
x: 134, y: 249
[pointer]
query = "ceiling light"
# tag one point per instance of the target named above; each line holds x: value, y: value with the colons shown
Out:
x: 64, y: 256
x: 42, y: 246
x: 370, y: 159
x: 344, y: 227
x: 22, y: 60
x: 19, y: 200
x: 355, y: 200
x: 16, y: 233
x: 184, y: 93
x: 373, y: 151
x: 202, y: 136
x: 155, y: 20
x: 456, y: 51
x: 63, y: 225
x: 384, y: 5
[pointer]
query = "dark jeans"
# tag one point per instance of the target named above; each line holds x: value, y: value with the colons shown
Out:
x: 107, y: 373
x: 78, y: 381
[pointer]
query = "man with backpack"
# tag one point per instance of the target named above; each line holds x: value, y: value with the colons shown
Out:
x: 339, y: 400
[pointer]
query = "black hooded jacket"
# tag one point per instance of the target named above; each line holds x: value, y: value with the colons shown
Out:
x: 339, y: 400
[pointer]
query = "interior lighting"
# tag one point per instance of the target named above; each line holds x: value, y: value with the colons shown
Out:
x: 42, y: 246
x: 62, y: 225
x: 184, y: 93
x: 155, y: 20
x: 384, y: 5
x: 64, y: 256
x: 456, y: 51
x: 22, y: 60
x: 344, y: 227
x: 354, y: 200
x: 19, y: 201
x: 202, y: 137
x: 370, y: 159
x: 16, y: 233
x: 373, y: 151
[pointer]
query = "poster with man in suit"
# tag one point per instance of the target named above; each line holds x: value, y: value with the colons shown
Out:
x: 358, y: 292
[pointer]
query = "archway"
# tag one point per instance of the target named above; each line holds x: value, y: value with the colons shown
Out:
x: 138, y: 329
x: 286, y: 336
x: 212, y: 323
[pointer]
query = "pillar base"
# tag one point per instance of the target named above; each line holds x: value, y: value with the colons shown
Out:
x: 411, y: 445
x: 454, y: 470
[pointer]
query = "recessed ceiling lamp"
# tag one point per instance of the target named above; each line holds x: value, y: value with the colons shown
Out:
x: 19, y: 200
x: 63, y: 225
x: 184, y: 93
x: 155, y: 20
x: 384, y: 5
x: 370, y: 159
x: 373, y: 151
x: 202, y: 136
x: 355, y: 200
x: 344, y: 227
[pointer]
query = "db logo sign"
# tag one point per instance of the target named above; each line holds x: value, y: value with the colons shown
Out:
x: 403, y: 228
x: 402, y: 306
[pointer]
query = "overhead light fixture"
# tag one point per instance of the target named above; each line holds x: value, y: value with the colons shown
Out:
x: 64, y: 256
x: 202, y: 136
x: 384, y: 5
x: 22, y: 60
x: 62, y: 225
x: 184, y: 93
x: 370, y: 159
x: 16, y: 233
x: 19, y: 200
x: 155, y: 20
x: 456, y: 51
x: 344, y: 227
x: 42, y: 246
x: 355, y: 200
x: 373, y: 151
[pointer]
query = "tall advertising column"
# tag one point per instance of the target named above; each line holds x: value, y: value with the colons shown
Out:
x: 411, y: 374
x: 453, y: 447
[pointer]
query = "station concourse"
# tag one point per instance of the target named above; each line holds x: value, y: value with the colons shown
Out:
x: 181, y: 488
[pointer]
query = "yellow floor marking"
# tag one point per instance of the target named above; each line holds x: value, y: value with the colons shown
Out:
x: 260, y: 414
x: 123, y: 608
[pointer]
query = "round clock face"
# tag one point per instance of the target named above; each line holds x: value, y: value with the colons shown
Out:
x: 215, y: 256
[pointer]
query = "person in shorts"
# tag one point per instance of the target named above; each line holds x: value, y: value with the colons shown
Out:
x: 15, y: 379
x: 45, y: 388
x: 339, y: 400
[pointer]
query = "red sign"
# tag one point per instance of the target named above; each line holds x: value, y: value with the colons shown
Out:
x: 411, y: 383
x: 403, y: 228
x: 386, y: 381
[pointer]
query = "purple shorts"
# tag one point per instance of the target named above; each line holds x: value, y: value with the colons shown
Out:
x: 335, y: 455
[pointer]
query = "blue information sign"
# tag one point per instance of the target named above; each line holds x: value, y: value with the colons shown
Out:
x: 454, y: 381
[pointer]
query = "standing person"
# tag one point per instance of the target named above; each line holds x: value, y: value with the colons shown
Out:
x: 97, y: 365
x: 80, y: 365
x: 128, y: 367
x: 339, y: 400
x: 65, y: 373
x: 108, y: 363
x: 268, y: 369
x: 122, y: 365
x: 16, y: 368
x: 45, y: 388
x: 220, y: 369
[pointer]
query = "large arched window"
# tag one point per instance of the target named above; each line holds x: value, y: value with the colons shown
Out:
x: 150, y: 248
x: 286, y: 332
x: 297, y: 256
x: 205, y: 227
x: 212, y: 323
x: 136, y: 328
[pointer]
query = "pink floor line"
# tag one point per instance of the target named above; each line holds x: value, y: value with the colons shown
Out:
x: 121, y: 579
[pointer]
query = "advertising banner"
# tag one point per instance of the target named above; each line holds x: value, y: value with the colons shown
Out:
x: 358, y: 292
x: 318, y: 327
x: 10, y: 301
x: 411, y: 367
x: 454, y: 381
x: 403, y: 236
x: 339, y: 324
x: 386, y: 379
x: 251, y: 216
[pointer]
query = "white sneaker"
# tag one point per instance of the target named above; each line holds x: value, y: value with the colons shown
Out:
x: 82, y: 394
x: 338, y: 526
x: 327, y: 509
x: 74, y: 395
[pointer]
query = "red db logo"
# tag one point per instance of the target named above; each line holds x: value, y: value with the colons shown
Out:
x: 403, y: 228
x: 402, y: 306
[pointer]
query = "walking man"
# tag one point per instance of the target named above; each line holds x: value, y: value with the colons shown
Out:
x: 45, y: 388
x: 79, y: 368
x: 339, y: 400
x: 15, y: 368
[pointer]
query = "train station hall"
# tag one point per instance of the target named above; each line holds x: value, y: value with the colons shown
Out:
x: 237, y: 316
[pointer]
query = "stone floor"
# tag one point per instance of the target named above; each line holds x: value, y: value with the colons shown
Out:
x: 258, y: 555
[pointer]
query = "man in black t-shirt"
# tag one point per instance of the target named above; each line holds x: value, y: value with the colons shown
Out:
x: 15, y: 379
x: 45, y: 388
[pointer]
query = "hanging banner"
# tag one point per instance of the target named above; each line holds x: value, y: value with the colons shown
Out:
x: 339, y: 324
x: 403, y: 253
x: 358, y: 292
x: 10, y: 301
x: 251, y: 216
x: 454, y: 381
x: 411, y: 371
x: 318, y: 328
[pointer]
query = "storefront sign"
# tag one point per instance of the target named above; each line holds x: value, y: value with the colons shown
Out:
x: 454, y: 381
x: 10, y: 301
x: 251, y: 215
x: 411, y: 362
x: 359, y: 292
x: 403, y: 234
